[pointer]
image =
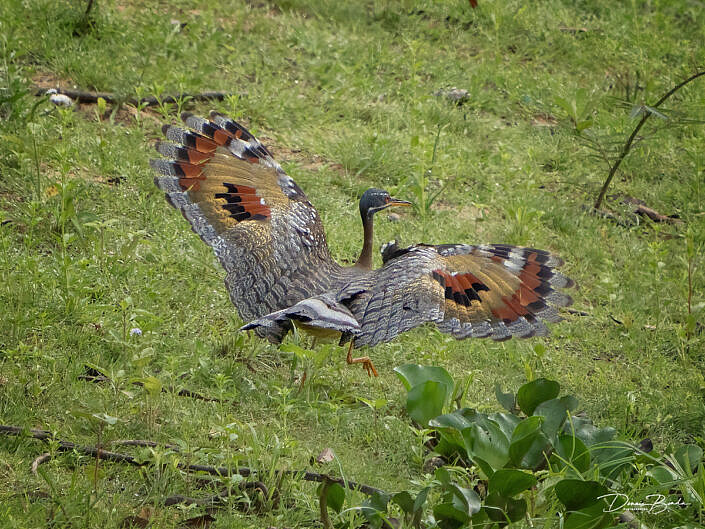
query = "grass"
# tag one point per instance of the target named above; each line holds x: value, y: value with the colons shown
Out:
x: 343, y: 93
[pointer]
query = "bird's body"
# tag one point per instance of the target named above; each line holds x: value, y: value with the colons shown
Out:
x: 271, y: 242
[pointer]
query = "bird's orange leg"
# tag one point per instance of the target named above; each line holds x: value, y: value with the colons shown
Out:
x: 364, y: 360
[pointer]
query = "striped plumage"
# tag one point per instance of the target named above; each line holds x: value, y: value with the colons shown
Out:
x: 270, y: 240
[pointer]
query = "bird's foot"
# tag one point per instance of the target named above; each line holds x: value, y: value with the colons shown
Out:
x: 364, y: 360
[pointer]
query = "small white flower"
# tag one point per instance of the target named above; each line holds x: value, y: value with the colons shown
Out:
x: 135, y: 331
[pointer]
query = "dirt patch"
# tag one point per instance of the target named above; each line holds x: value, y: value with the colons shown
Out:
x: 127, y: 115
x: 47, y: 80
x: 464, y: 211
x: 310, y: 162
x: 544, y: 120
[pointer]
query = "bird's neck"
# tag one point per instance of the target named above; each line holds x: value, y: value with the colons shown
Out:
x: 365, y: 260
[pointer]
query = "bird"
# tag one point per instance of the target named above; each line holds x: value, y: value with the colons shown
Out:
x: 280, y: 274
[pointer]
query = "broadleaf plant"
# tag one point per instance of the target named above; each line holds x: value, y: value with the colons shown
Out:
x: 535, y: 460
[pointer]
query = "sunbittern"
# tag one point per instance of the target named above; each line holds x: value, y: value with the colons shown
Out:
x: 271, y: 242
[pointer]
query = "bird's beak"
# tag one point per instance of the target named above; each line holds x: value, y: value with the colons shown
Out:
x: 397, y: 202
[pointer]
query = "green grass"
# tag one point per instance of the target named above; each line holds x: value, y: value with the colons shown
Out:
x: 343, y: 93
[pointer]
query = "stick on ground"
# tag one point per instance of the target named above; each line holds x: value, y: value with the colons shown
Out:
x: 92, y: 451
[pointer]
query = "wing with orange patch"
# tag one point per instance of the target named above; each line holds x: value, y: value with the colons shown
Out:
x: 495, y: 291
x: 239, y: 200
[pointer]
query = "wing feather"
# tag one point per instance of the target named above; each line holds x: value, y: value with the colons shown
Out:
x: 238, y: 199
x: 468, y: 291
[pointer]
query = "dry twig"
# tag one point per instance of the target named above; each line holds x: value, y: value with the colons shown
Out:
x: 140, y: 442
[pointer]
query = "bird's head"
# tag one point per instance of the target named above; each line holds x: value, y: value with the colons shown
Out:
x: 374, y: 200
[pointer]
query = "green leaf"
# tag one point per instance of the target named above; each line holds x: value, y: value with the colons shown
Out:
x: 413, y: 374
x: 458, y: 504
x: 448, y: 511
x: 421, y: 499
x: 655, y: 112
x: 688, y: 456
x: 503, y: 509
x: 443, y: 476
x: 637, y: 110
x: 588, y: 432
x: 107, y: 419
x: 450, y: 425
x: 569, y: 401
x: 507, y: 400
x: 426, y: 401
x: 662, y: 475
x: 612, y: 457
x: 533, y: 393
x: 485, y: 440
x: 507, y: 422
x: 298, y: 351
x: 469, y: 498
x: 574, y: 451
x: 95, y: 417
x: 540, y: 350
x: 565, y: 105
x: 510, y: 482
x: 582, y: 125
x: 554, y: 413
x: 404, y: 500
x: 592, y: 517
x: 457, y: 420
x: 374, y: 505
x: 576, y: 494
x: 373, y: 404
x: 484, y: 466
x: 335, y: 496
x: 450, y: 443
x: 529, y: 443
x: 152, y: 384
x: 82, y: 414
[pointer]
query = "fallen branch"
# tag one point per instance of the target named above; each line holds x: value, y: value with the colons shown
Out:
x: 577, y: 312
x: 140, y: 442
x: 209, y: 501
x: 183, y: 392
x: 217, y: 499
x: 80, y: 96
x: 640, y: 208
x: 99, y: 453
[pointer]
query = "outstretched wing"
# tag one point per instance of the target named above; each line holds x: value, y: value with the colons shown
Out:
x: 495, y: 291
x: 265, y: 232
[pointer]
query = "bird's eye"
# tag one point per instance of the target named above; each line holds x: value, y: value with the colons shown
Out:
x: 387, y: 199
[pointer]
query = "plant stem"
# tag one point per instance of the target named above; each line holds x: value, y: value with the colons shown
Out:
x: 88, y: 9
x: 97, y: 459
x: 628, y: 145
x: 691, y: 266
x: 37, y: 168
x: 323, y: 502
